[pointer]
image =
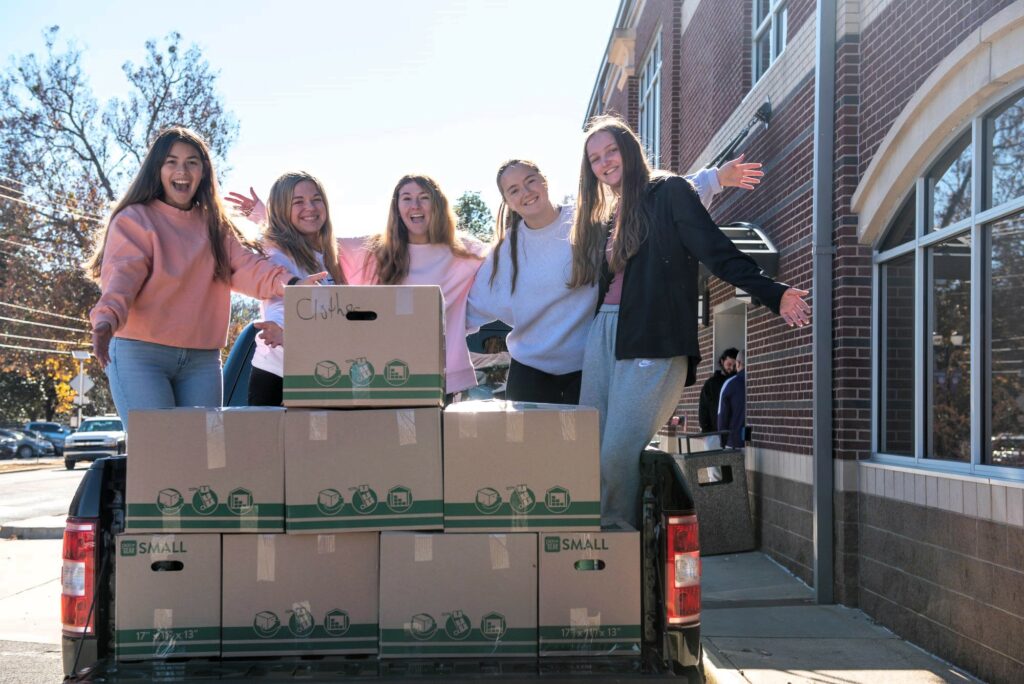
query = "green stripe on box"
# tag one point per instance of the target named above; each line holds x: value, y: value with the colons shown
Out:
x: 408, y: 523
x: 585, y: 524
x: 363, y: 630
x: 183, y: 641
x: 180, y: 635
x: 576, y: 508
x: 415, y: 381
x: 311, y: 511
x: 514, y: 640
x: 270, y: 647
x: 261, y: 511
x: 621, y: 648
x: 365, y: 394
x: 413, y: 648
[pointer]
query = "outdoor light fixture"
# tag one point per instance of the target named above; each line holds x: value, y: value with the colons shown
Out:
x: 763, y: 115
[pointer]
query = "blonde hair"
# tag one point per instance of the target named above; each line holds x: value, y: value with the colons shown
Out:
x: 146, y: 186
x: 597, y: 206
x: 391, y: 248
x: 282, y: 232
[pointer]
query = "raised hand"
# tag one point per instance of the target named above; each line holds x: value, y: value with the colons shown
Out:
x: 270, y: 332
x: 739, y: 174
x: 793, y: 309
x: 251, y: 207
x: 313, y: 279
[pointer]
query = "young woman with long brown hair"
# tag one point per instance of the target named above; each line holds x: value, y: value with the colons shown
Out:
x: 639, y: 236
x: 166, y: 264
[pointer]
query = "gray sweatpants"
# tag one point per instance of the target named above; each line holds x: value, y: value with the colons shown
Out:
x: 634, y: 398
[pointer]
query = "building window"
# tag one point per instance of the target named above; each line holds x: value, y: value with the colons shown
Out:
x: 949, y: 317
x: 769, y: 34
x: 650, y: 103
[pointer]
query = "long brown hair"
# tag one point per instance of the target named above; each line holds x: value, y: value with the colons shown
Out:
x: 282, y: 232
x: 391, y: 248
x: 597, y: 205
x: 146, y: 186
x: 507, y: 225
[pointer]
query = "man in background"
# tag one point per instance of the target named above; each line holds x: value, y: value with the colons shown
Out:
x: 707, y: 408
x: 732, y: 406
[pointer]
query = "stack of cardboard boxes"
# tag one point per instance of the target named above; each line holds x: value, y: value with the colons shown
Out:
x: 336, y: 527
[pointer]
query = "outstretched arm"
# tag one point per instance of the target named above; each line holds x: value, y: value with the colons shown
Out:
x: 251, y: 207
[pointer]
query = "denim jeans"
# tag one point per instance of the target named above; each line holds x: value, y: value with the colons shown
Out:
x: 145, y: 375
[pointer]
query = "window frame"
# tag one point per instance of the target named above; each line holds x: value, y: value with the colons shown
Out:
x: 975, y: 225
x: 778, y: 13
x: 649, y: 101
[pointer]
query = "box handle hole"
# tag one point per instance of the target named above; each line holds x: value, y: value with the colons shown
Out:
x: 585, y: 564
x: 361, y: 315
x: 168, y: 566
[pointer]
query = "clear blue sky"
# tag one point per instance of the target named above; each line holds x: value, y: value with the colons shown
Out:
x: 360, y: 93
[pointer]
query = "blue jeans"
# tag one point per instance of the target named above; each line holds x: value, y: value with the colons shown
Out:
x: 145, y: 375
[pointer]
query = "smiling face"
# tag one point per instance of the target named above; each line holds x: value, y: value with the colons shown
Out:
x: 308, y: 213
x: 525, y: 191
x: 415, y: 207
x: 605, y: 159
x: 180, y: 175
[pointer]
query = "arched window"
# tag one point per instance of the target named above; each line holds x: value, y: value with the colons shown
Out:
x: 949, y: 339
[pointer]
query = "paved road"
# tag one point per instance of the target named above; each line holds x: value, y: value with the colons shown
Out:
x: 25, y: 663
x: 30, y: 611
x: 32, y: 493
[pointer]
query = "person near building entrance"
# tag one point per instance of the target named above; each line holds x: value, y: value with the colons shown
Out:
x: 732, y: 406
x: 707, y: 408
x: 640, y: 236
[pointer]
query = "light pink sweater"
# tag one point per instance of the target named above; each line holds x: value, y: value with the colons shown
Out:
x: 157, y: 281
x: 430, y: 265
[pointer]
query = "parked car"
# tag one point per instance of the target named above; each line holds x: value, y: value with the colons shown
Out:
x: 8, y: 447
x: 55, y: 433
x: 96, y: 437
x: 47, y: 447
x: 27, y: 445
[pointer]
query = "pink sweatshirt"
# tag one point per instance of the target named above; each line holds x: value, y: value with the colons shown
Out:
x: 430, y: 265
x: 157, y: 282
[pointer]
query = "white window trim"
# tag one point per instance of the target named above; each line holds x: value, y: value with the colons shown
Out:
x: 649, y: 101
x: 776, y: 8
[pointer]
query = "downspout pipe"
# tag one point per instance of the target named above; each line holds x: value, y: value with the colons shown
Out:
x: 823, y: 251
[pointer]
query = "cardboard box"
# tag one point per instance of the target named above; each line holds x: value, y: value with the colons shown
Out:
x: 363, y: 470
x: 516, y: 466
x: 357, y: 347
x: 168, y: 596
x: 458, y: 595
x: 206, y: 470
x: 589, y: 593
x: 300, y: 595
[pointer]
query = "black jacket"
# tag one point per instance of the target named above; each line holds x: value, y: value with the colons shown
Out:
x: 658, y: 310
x: 707, y: 408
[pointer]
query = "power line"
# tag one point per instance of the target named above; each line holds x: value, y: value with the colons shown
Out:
x: 34, y: 349
x: 43, y: 325
x: 75, y: 214
x: 51, y: 203
x: 41, y: 311
x: 44, y: 339
x: 38, y: 249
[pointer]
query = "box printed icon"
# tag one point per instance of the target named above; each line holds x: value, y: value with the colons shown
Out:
x: 204, y: 501
x: 399, y: 499
x: 329, y: 501
x: 396, y: 372
x: 169, y: 501
x: 557, y: 499
x: 493, y: 626
x: 240, y: 501
x: 327, y: 373
x: 522, y: 499
x: 364, y: 500
x: 266, y: 623
x: 488, y: 500
x: 360, y: 372
x: 336, y: 622
x: 302, y: 622
x: 422, y: 626
x: 458, y: 625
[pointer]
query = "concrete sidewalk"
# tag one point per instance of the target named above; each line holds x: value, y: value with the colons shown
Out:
x: 760, y: 625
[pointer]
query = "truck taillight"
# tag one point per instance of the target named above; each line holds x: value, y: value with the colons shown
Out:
x: 77, y: 577
x: 682, y: 571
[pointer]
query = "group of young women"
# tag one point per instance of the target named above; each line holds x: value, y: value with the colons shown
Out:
x: 601, y: 298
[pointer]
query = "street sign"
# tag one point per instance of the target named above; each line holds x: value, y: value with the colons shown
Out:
x: 80, y: 400
x: 84, y: 387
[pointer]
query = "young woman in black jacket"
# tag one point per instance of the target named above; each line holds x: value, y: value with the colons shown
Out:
x: 641, y: 236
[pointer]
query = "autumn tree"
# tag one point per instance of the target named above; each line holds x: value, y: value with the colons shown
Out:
x: 65, y: 158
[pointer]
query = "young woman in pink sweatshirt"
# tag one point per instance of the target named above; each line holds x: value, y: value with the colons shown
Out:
x: 166, y: 264
x: 419, y: 246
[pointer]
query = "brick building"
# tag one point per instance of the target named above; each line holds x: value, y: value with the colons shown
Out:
x: 886, y: 464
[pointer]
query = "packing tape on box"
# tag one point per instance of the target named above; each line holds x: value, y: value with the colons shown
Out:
x: 318, y: 426
x: 249, y: 520
x: 216, y: 454
x: 320, y: 301
x: 266, y: 558
x: 161, y: 541
x: 582, y: 618
x: 324, y: 544
x: 568, y: 420
x: 406, y: 427
x: 423, y: 548
x: 499, y: 551
x: 515, y: 425
x: 467, y: 425
x: 404, y: 305
x: 163, y: 618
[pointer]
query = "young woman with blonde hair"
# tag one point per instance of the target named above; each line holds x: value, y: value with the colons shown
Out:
x: 525, y: 282
x: 639, y: 236
x: 166, y: 264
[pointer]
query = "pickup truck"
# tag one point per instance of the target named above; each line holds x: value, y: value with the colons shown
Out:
x: 670, y: 585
